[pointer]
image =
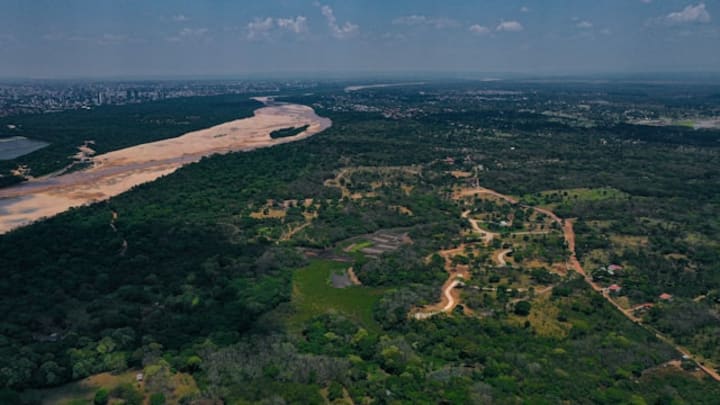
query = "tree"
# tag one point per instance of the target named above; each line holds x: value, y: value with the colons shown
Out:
x: 129, y: 393
x: 101, y: 397
x: 522, y: 308
x: 193, y: 363
x: 335, y: 391
x: 157, y: 398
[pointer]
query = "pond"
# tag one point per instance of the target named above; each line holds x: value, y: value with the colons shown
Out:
x: 15, y: 146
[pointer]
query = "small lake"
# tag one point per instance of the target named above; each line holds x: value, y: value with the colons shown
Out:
x: 15, y: 146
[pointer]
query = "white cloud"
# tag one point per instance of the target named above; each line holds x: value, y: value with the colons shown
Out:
x: 111, y: 39
x: 297, y: 25
x: 264, y: 27
x: 338, y: 31
x: 524, y: 9
x: 410, y: 20
x: 188, y: 34
x: 479, y: 29
x: 437, y: 22
x: 180, y: 18
x: 585, y: 25
x: 193, y: 32
x: 103, y: 39
x: 646, y: 1
x: 259, y: 27
x: 510, y: 26
x: 688, y: 15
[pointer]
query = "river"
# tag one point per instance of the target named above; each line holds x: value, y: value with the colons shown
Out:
x: 115, y: 172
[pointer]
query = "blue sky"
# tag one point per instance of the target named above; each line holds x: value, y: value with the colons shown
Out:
x: 76, y: 38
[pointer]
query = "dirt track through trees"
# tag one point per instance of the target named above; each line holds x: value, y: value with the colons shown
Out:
x: 573, y: 264
x: 500, y: 257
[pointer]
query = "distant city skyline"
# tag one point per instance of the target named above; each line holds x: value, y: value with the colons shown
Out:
x: 132, y: 38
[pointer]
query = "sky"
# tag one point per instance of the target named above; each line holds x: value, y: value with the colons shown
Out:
x: 172, y: 38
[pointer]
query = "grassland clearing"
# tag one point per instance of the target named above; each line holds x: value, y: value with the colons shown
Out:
x: 83, y: 391
x: 543, y: 318
x: 313, y: 295
x: 554, y: 198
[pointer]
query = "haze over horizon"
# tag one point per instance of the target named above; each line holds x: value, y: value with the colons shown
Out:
x: 79, y: 38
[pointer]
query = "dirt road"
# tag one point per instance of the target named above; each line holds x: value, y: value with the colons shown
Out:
x: 487, y: 236
x: 482, y: 190
x: 449, y: 302
x: 449, y: 297
x: 574, y: 264
x: 499, y: 257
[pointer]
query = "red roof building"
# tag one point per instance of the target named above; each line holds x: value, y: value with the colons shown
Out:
x: 665, y: 297
x: 614, y: 288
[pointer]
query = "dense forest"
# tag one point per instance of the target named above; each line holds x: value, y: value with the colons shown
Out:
x: 225, y: 258
x: 114, y: 127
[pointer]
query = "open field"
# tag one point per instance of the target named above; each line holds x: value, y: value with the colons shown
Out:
x: 552, y: 198
x: 313, y: 295
x: 83, y: 391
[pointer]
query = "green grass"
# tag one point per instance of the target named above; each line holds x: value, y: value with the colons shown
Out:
x: 361, y: 245
x: 79, y: 392
x: 551, y: 198
x: 83, y: 391
x: 313, y: 295
x: 685, y: 123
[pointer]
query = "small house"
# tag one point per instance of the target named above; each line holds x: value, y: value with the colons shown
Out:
x: 643, y: 307
x: 614, y: 267
x: 614, y: 289
x: 139, y: 377
x: 665, y: 297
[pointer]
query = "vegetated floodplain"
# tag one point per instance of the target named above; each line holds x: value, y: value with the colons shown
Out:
x: 221, y: 270
x: 287, y: 132
x: 115, y: 172
x: 116, y: 127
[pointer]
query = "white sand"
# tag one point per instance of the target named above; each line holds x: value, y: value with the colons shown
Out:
x: 118, y: 171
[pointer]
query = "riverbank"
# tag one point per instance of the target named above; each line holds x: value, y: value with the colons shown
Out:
x: 115, y: 172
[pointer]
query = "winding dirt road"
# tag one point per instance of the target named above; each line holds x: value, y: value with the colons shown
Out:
x: 574, y: 264
x: 449, y: 302
x: 487, y: 236
x: 500, y: 256
x: 449, y: 297
x: 116, y: 172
